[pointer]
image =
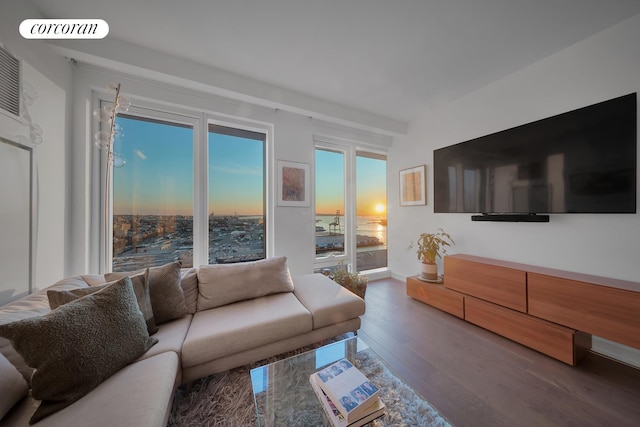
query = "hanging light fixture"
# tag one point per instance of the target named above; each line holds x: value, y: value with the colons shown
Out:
x: 104, y: 140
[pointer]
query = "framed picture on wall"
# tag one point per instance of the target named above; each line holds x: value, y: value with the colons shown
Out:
x: 293, y: 184
x: 413, y: 186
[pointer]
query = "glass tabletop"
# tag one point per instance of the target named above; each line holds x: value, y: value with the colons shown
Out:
x: 282, y: 392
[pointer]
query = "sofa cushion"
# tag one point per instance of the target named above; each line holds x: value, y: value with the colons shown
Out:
x: 328, y: 302
x: 139, y: 395
x: 13, y: 386
x: 228, y: 283
x: 170, y: 337
x: 189, y: 283
x: 244, y: 325
x: 93, y: 279
x: 140, y: 287
x: 165, y: 291
x: 67, y: 346
x: 32, y: 305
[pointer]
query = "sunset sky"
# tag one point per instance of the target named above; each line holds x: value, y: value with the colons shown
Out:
x: 158, y: 176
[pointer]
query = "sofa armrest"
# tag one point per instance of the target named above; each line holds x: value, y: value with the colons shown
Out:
x: 328, y: 302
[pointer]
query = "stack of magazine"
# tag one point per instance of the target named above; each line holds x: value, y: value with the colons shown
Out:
x: 347, y: 396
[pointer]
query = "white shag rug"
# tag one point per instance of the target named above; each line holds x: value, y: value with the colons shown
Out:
x: 226, y: 399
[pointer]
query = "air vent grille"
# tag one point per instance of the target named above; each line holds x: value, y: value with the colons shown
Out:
x: 9, y: 83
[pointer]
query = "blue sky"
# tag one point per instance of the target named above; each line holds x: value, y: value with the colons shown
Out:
x: 158, y: 176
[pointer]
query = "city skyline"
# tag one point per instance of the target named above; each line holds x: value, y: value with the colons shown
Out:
x: 158, y: 178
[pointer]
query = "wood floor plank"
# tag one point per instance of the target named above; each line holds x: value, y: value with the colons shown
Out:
x: 477, y: 378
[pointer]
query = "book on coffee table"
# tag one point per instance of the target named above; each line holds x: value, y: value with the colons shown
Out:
x: 375, y: 410
x: 349, y: 390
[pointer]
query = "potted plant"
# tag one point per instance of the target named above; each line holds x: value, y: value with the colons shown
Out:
x: 351, y: 281
x: 429, y: 247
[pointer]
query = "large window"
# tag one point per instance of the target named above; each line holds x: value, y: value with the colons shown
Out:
x: 173, y: 187
x: 236, y: 195
x: 330, y: 203
x: 351, y: 217
x: 152, y: 194
x: 371, y: 210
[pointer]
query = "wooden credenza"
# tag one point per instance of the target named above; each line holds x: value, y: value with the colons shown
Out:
x: 552, y: 311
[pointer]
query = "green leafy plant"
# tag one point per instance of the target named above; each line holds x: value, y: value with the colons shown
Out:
x: 432, y: 245
x: 354, y: 282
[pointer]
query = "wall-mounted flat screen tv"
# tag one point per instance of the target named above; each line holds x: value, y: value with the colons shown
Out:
x: 583, y: 161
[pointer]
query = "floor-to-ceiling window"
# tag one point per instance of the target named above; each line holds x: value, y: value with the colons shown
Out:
x: 350, y: 206
x: 371, y: 210
x: 330, y: 219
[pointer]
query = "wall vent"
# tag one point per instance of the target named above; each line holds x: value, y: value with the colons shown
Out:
x: 9, y: 83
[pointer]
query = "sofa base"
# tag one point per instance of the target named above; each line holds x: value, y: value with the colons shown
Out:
x: 239, y: 359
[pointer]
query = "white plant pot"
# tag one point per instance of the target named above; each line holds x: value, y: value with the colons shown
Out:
x: 429, y: 271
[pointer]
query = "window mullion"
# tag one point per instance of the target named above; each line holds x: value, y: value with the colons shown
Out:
x: 350, y: 204
x: 201, y: 191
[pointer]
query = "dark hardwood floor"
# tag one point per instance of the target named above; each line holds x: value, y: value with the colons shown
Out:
x: 477, y: 378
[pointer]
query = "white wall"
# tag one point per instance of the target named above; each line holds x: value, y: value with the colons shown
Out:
x: 49, y: 76
x: 604, y: 66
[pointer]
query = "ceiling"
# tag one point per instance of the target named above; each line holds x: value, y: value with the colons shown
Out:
x: 393, y: 58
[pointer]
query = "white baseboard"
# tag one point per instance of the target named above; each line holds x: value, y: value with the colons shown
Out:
x: 622, y: 353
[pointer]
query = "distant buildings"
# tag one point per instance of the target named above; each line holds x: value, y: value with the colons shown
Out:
x: 147, y: 240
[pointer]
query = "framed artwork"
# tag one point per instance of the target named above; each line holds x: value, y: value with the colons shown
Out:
x: 293, y: 184
x: 413, y: 186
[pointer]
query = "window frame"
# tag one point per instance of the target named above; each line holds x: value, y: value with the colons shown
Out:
x: 269, y: 163
x: 347, y: 257
x: 199, y: 121
x: 351, y: 151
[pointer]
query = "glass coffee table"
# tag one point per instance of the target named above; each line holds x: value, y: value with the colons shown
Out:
x: 282, y: 392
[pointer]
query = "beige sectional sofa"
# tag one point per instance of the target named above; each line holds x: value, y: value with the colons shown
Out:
x: 228, y: 316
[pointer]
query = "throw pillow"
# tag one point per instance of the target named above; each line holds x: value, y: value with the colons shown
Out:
x: 140, y: 287
x: 93, y: 279
x: 189, y: 283
x: 32, y: 305
x: 227, y: 283
x: 165, y: 292
x: 13, y: 386
x: 80, y: 344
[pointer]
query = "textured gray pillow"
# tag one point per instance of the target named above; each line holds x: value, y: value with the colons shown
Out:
x: 32, y: 305
x: 227, y: 283
x: 77, y: 346
x: 167, y: 297
x: 140, y: 287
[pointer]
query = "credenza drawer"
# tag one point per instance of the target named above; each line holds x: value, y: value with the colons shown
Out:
x: 557, y: 341
x: 610, y: 313
x: 500, y: 285
x: 436, y: 296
